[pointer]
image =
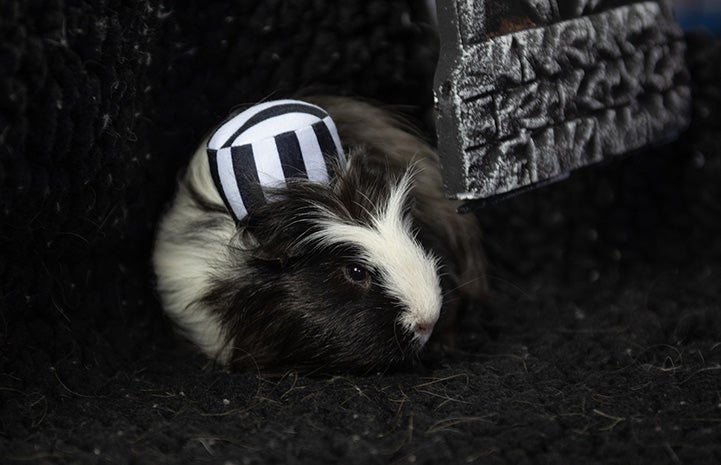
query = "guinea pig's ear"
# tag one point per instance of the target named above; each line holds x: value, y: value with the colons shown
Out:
x: 267, y: 250
x: 271, y: 238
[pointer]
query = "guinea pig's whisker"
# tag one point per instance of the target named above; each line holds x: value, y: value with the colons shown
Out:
x: 510, y: 283
x: 246, y: 354
x: 448, y: 301
x: 461, y: 285
x: 396, y: 338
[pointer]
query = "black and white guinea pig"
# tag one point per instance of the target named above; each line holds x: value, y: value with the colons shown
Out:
x: 351, y: 276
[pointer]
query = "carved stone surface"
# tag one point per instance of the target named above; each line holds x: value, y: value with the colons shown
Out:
x: 517, y: 109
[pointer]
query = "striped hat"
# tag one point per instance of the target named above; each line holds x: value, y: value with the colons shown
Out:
x: 265, y: 145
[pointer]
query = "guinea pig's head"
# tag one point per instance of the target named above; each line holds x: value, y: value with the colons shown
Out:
x: 329, y: 277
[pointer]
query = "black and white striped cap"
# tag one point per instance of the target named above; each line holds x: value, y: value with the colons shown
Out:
x: 265, y: 145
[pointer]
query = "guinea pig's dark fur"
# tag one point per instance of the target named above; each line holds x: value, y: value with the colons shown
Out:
x: 351, y: 276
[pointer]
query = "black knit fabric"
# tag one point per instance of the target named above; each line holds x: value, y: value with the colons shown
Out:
x: 600, y: 343
x: 77, y: 197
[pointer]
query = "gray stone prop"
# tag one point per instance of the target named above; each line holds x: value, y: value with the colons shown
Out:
x: 528, y: 90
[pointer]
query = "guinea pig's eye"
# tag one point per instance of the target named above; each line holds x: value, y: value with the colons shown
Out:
x: 357, y: 273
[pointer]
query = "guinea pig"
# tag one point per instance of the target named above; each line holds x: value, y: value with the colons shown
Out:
x: 352, y: 275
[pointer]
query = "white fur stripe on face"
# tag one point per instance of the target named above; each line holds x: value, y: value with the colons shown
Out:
x: 407, y: 272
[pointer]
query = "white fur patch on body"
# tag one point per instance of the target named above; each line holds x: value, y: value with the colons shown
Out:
x: 185, y: 264
x: 408, y: 273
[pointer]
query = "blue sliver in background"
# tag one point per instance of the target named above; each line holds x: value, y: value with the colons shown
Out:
x: 696, y: 14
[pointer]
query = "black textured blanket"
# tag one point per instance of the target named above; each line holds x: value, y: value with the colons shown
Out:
x: 600, y: 343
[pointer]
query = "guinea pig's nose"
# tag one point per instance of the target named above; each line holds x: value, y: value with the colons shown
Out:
x: 424, y: 328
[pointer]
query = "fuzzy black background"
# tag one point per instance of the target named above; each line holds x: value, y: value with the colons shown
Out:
x: 601, y: 342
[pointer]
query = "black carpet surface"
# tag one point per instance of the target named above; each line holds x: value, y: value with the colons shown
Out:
x: 600, y: 343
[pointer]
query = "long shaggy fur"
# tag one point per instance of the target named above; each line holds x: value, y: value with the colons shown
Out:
x: 271, y: 291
